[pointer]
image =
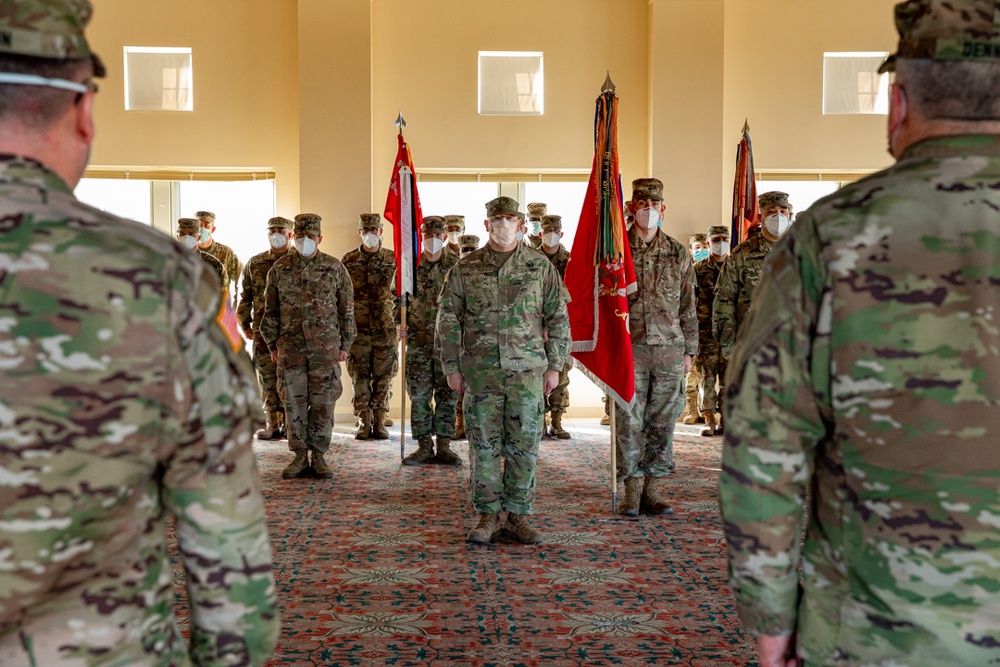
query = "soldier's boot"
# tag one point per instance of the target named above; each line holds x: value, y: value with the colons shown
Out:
x: 690, y: 415
x: 652, y: 502
x: 387, y: 421
x: 629, y: 506
x: 364, y: 425
x: 557, y: 429
x: 319, y: 465
x: 270, y: 430
x: 710, y: 424
x: 460, y: 424
x: 719, y: 428
x: 282, y: 431
x: 445, y: 454
x: 424, y: 453
x: 483, y: 533
x: 296, y: 467
x: 606, y: 420
x: 378, y: 426
x: 522, y: 530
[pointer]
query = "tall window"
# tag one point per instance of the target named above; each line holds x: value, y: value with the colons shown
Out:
x: 158, y: 78
x: 511, y: 83
x: 852, y: 84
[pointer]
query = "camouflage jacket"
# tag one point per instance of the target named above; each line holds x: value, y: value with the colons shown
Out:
x: 421, y: 315
x: 867, y: 380
x: 559, y: 259
x: 662, y: 308
x: 217, y: 268
x: 308, y: 302
x: 740, y: 275
x: 706, y: 273
x: 233, y: 265
x: 124, y: 398
x: 495, y: 315
x: 376, y: 306
x: 251, y: 308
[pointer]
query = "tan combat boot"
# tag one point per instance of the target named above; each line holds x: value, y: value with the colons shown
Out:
x: 459, y: 423
x: 719, y: 428
x: 483, y: 533
x: 557, y: 429
x: 629, y: 506
x: 387, y: 421
x: 690, y: 415
x: 652, y: 502
x: 424, y: 453
x: 522, y: 530
x: 710, y: 425
x: 296, y: 467
x: 319, y: 465
x: 282, y: 433
x: 270, y: 430
x: 445, y: 454
x: 378, y: 426
x: 364, y: 425
x: 606, y: 419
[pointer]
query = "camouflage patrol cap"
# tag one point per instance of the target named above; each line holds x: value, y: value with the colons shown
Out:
x: 370, y: 220
x: 698, y: 238
x: 719, y: 230
x: 773, y: 199
x: 207, y: 216
x: 433, y: 224
x: 48, y: 29
x: 647, y: 188
x: 279, y: 223
x: 307, y: 223
x: 454, y: 221
x: 468, y: 241
x: 954, y: 30
x: 501, y: 206
x: 552, y: 223
x: 188, y: 226
x: 537, y: 210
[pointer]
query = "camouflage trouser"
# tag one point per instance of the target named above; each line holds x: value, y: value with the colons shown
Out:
x: 309, y: 385
x: 432, y: 401
x: 558, y: 400
x: 372, y: 365
x: 711, y: 366
x: 503, y: 419
x: 692, y: 382
x: 646, y: 432
x: 267, y: 376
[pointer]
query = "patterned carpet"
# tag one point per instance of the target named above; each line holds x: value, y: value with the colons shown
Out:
x: 373, y: 569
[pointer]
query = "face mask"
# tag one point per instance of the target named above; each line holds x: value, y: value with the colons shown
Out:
x: 306, y: 247
x: 453, y: 237
x: 776, y: 224
x: 519, y: 235
x: 536, y: 226
x: 700, y: 254
x: 204, y: 236
x: 189, y: 242
x: 433, y: 246
x: 550, y: 239
x: 720, y: 248
x: 504, y: 233
x: 647, y: 218
x: 370, y: 240
x: 277, y: 240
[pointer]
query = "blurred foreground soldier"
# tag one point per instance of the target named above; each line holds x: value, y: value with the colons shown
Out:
x: 308, y: 326
x: 467, y: 243
x: 374, y: 359
x: 221, y: 252
x: 188, y: 230
x: 710, y: 364
x: 432, y: 400
x: 251, y: 312
x: 698, y: 244
x: 664, y: 328
x: 867, y: 378
x: 536, y: 212
x: 551, y: 244
x: 742, y: 270
x: 125, y: 397
x: 455, y: 227
x: 495, y: 307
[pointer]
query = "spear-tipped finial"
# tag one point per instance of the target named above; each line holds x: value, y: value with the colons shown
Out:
x: 400, y: 122
x: 609, y: 86
x: 746, y: 125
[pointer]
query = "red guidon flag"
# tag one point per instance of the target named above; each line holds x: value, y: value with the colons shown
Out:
x: 744, y: 189
x: 402, y: 210
x: 600, y: 274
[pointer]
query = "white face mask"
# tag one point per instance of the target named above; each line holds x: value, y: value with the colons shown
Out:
x: 454, y: 236
x: 777, y: 223
x: 370, y: 240
x: 433, y: 246
x: 720, y: 248
x: 306, y: 247
x: 647, y: 218
x: 277, y: 240
x: 504, y: 233
x: 550, y: 239
x: 190, y: 242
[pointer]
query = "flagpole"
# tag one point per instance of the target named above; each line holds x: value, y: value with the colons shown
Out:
x: 402, y: 408
x: 613, y: 409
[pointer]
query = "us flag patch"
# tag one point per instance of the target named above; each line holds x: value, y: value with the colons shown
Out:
x: 228, y: 322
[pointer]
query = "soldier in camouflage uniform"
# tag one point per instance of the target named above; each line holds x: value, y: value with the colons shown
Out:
x: 125, y: 398
x: 533, y: 227
x: 467, y: 244
x: 710, y: 364
x: 221, y: 252
x: 558, y: 401
x: 495, y: 307
x: 698, y: 244
x: 742, y: 270
x: 664, y: 327
x: 308, y: 326
x: 432, y: 401
x: 251, y: 312
x: 867, y: 381
x: 187, y: 233
x: 455, y: 226
x: 374, y: 359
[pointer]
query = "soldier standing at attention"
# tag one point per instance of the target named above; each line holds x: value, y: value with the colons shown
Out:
x: 867, y: 381
x: 308, y: 326
x: 710, y: 364
x: 558, y: 401
x: 664, y: 326
x: 495, y: 307
x: 187, y: 233
x: 742, y: 270
x: 432, y: 400
x: 251, y: 312
x: 221, y: 252
x: 455, y: 226
x: 125, y: 397
x: 374, y: 358
x: 536, y: 212
x: 698, y: 243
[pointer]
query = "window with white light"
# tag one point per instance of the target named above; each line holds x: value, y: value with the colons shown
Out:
x: 158, y: 78
x: 511, y: 83
x: 852, y: 84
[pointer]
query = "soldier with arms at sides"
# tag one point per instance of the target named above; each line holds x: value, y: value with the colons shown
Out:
x: 221, y: 252
x: 551, y: 244
x: 710, y: 364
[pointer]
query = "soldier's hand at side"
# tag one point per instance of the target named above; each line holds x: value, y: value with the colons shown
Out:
x: 687, y: 364
x: 343, y: 355
x: 274, y: 356
x: 777, y: 652
x: 456, y: 382
x: 248, y: 333
x: 549, y: 381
